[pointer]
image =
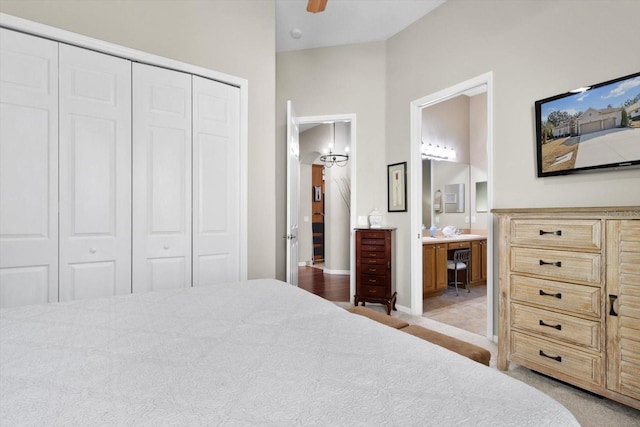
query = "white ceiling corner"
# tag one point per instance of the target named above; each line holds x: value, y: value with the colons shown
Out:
x: 345, y: 21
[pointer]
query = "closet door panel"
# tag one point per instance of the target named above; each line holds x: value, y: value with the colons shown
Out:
x: 28, y: 169
x: 162, y: 179
x: 216, y: 187
x: 95, y: 174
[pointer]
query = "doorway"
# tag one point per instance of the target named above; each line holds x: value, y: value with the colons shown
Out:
x: 332, y: 203
x: 475, y: 85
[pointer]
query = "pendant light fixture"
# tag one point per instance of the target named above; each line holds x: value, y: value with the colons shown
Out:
x: 329, y: 159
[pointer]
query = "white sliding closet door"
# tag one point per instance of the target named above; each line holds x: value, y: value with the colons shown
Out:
x: 28, y: 169
x: 216, y: 187
x: 162, y: 179
x: 95, y: 174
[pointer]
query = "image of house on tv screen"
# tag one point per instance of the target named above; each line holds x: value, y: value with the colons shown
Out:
x: 590, y: 128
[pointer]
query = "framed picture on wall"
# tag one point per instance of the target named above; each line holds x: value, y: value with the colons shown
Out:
x: 397, y: 187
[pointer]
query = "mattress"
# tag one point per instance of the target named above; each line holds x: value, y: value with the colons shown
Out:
x: 258, y: 352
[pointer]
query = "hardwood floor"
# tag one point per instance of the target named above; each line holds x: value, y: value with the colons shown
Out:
x: 467, y: 311
x: 333, y: 287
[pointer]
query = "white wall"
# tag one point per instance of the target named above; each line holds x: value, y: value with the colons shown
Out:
x: 234, y: 37
x: 478, y: 157
x: 331, y: 81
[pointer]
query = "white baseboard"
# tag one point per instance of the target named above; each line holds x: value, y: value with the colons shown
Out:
x: 302, y: 264
x: 341, y: 272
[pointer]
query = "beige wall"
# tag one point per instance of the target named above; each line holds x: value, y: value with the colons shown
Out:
x: 236, y: 37
x: 339, y: 80
x: 519, y: 42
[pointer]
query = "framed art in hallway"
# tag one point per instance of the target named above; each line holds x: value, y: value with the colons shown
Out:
x: 397, y: 187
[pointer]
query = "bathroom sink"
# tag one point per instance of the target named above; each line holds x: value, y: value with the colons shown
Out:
x: 467, y: 236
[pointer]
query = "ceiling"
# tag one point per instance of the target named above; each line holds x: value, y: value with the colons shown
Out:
x: 345, y: 21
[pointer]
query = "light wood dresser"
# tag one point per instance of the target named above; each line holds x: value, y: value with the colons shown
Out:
x: 570, y: 296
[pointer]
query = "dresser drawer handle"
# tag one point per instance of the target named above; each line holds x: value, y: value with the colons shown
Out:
x: 558, y: 327
x: 558, y: 295
x: 557, y: 232
x: 556, y: 358
x: 557, y: 263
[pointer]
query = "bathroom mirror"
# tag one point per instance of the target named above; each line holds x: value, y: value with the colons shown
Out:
x: 452, y: 179
x: 481, y: 196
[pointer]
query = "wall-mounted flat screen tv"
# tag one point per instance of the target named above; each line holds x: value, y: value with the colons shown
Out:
x: 590, y: 129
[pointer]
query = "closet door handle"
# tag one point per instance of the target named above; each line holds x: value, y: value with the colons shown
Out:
x: 93, y: 250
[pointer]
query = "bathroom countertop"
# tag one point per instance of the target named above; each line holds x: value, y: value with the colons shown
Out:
x: 460, y: 238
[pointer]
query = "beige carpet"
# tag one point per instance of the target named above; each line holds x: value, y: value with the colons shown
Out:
x: 590, y: 410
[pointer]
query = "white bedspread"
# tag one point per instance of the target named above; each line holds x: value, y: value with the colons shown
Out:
x: 254, y: 353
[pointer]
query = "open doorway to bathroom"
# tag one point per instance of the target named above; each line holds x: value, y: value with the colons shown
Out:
x: 458, y: 119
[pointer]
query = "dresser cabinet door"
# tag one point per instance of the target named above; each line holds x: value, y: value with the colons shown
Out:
x: 623, y: 307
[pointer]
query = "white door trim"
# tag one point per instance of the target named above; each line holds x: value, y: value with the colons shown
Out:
x: 59, y: 35
x: 352, y: 158
x: 415, y: 164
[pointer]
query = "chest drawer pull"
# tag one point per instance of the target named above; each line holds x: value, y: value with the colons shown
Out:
x: 558, y: 295
x: 558, y: 327
x: 557, y: 358
x: 557, y: 232
x: 612, y: 299
x: 557, y: 263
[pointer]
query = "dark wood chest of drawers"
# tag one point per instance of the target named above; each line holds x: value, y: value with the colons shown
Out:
x: 375, y: 275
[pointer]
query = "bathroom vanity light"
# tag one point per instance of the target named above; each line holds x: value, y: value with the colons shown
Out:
x: 437, y: 152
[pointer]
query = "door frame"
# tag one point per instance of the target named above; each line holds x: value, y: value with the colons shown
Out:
x: 415, y: 161
x: 351, y: 118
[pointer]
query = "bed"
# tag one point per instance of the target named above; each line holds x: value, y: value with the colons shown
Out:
x: 258, y: 352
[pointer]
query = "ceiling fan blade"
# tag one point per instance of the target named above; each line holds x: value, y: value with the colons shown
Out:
x: 315, y: 6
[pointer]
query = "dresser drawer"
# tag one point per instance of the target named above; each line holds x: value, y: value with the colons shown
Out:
x: 374, y: 270
x: 374, y: 280
x: 570, y: 234
x: 573, y: 266
x: 575, y: 330
x: 372, y: 254
x: 567, y: 297
x: 370, y: 234
x: 459, y: 245
x: 372, y: 291
x: 558, y: 360
x: 372, y: 248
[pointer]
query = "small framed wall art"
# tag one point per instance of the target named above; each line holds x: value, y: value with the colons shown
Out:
x: 397, y: 187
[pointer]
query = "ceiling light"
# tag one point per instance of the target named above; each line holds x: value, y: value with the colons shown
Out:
x: 329, y: 159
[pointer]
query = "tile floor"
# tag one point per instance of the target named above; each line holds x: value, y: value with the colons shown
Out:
x: 466, y: 311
